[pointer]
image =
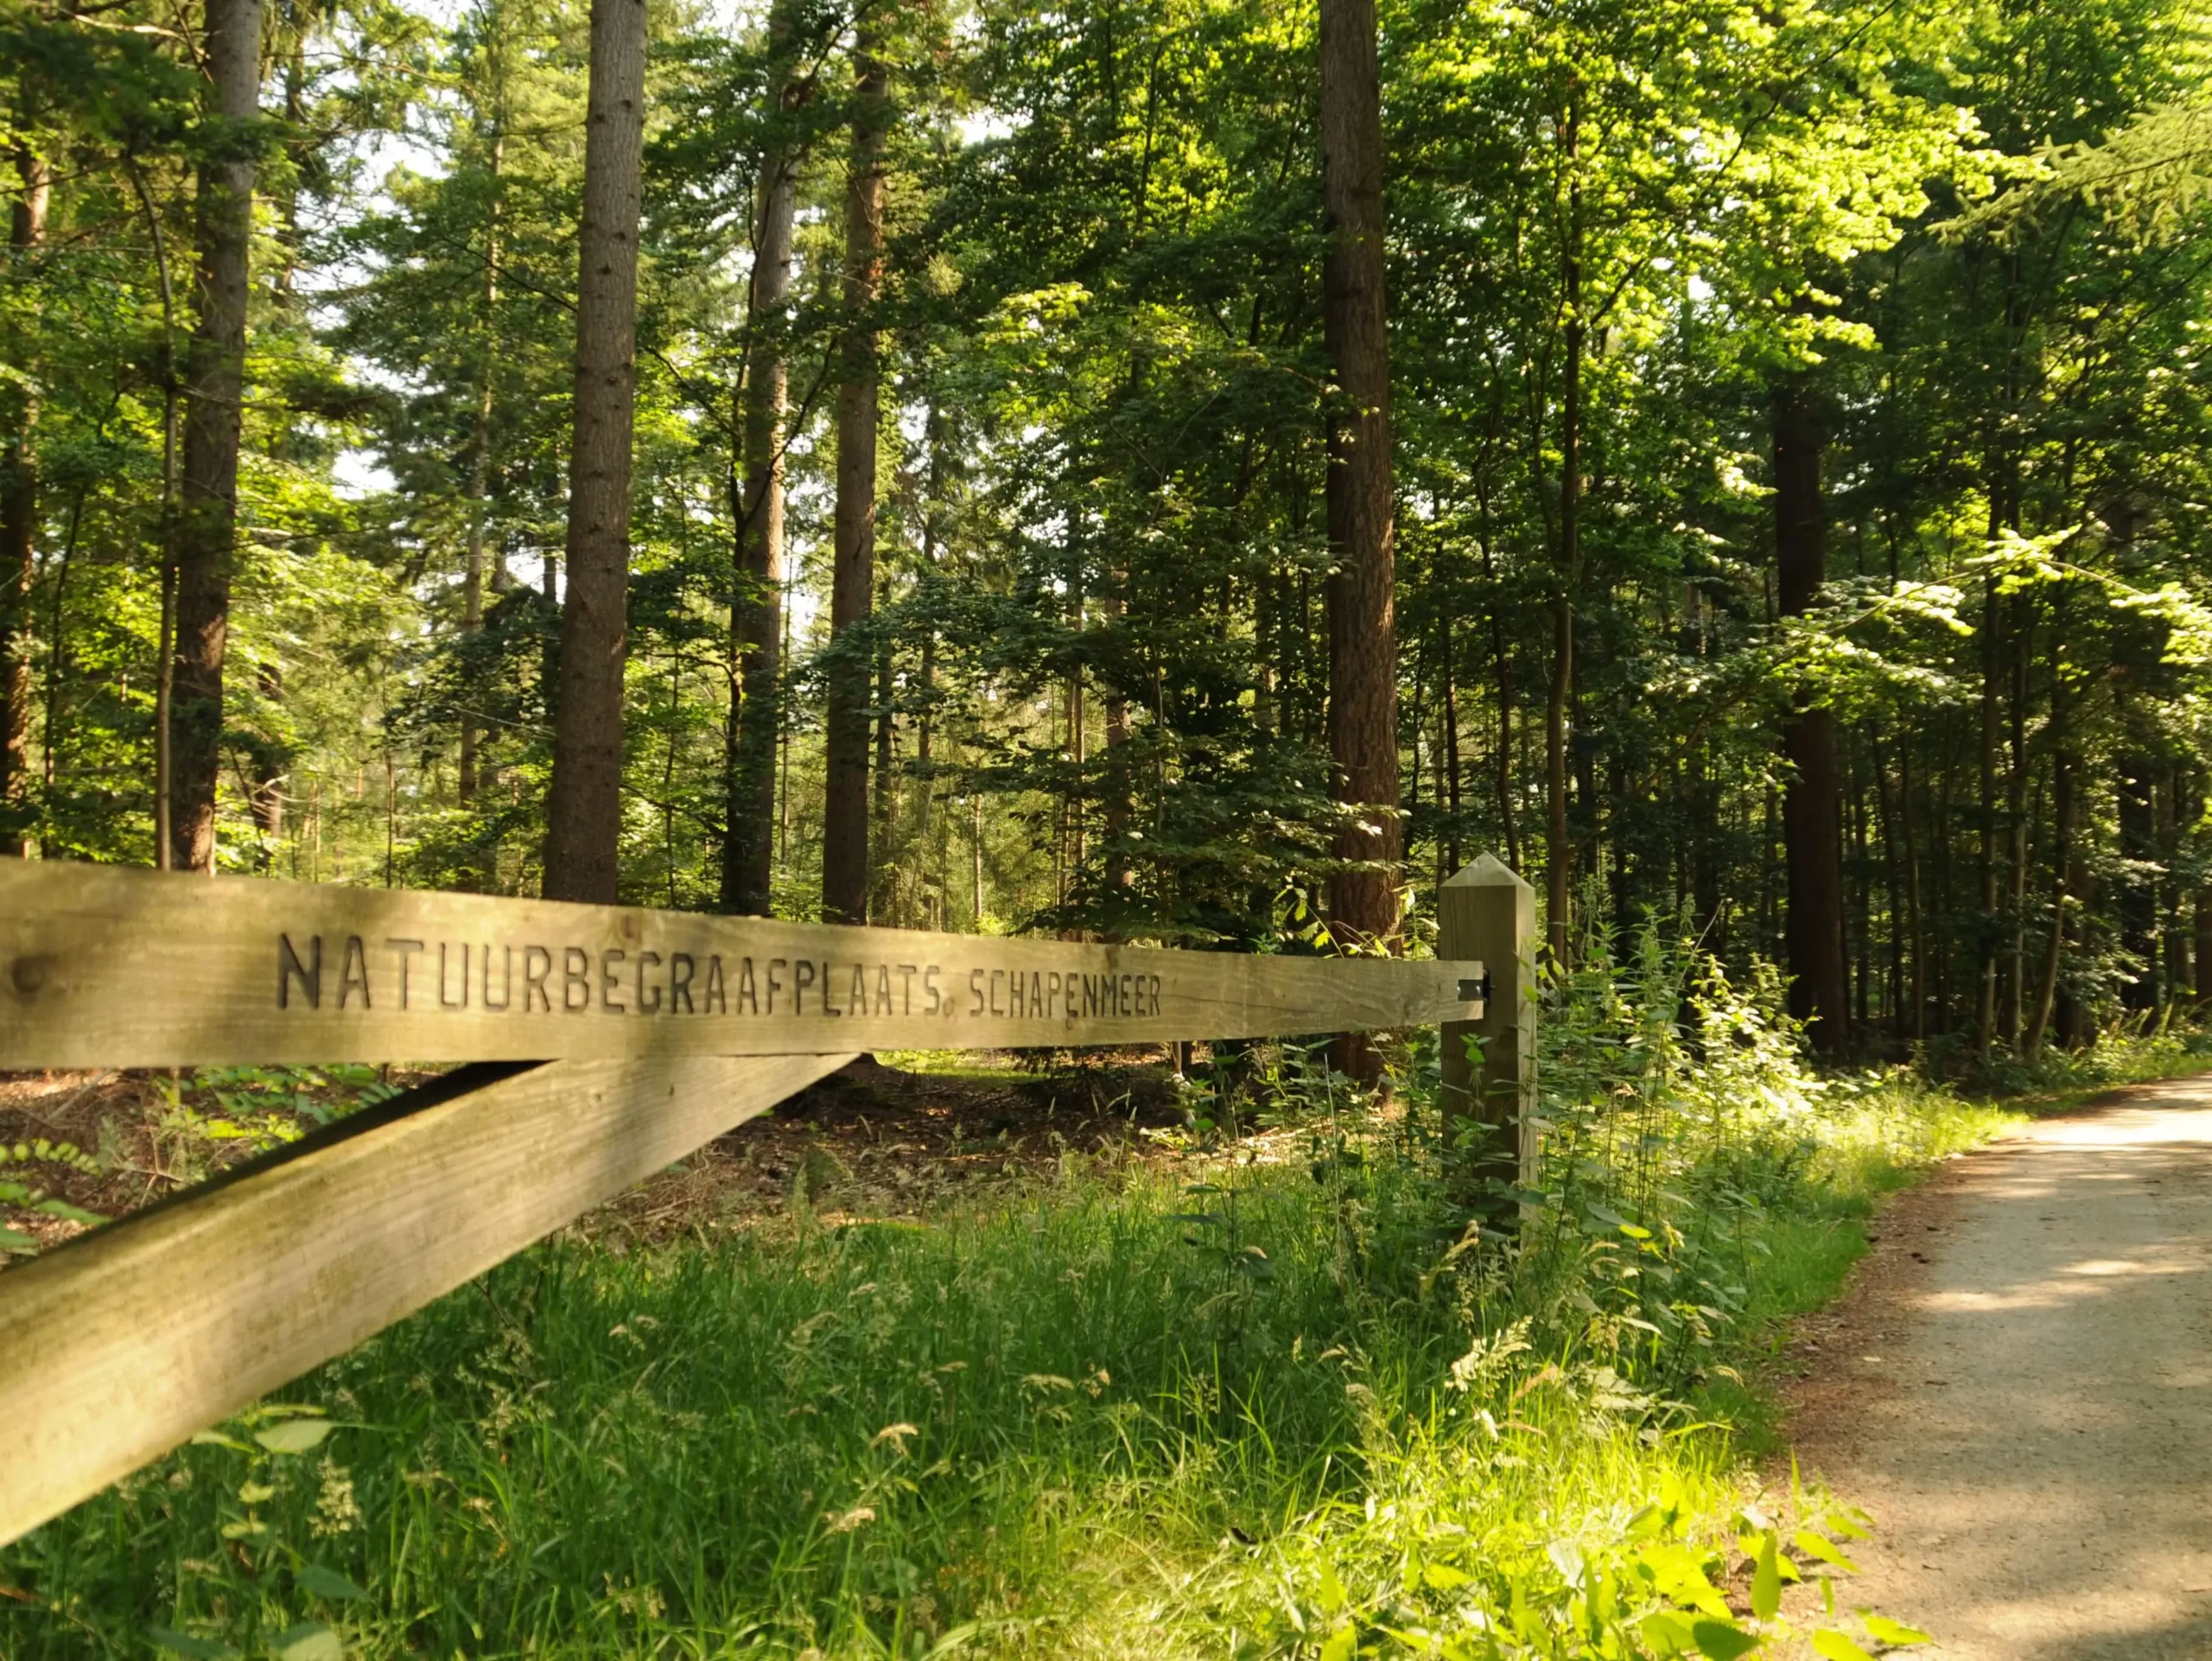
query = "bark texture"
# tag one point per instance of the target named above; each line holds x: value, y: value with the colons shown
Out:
x: 844, y: 814
x: 1361, y: 599
x: 583, y: 807
x: 1819, y: 985
x: 756, y: 615
x: 206, y: 528
x: 1362, y: 592
x: 19, y: 537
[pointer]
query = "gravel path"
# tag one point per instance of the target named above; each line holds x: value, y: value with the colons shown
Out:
x: 2019, y: 1391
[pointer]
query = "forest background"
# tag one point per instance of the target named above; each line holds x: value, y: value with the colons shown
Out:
x: 1779, y: 503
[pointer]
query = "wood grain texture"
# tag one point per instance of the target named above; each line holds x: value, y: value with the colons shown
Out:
x: 101, y: 966
x: 142, y: 1333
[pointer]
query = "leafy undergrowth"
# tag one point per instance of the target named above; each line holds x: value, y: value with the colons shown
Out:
x: 1234, y: 1408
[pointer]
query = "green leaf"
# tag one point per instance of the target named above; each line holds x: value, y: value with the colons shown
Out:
x: 1443, y: 1577
x: 1340, y: 1646
x: 1331, y: 1593
x: 293, y: 1435
x: 201, y: 1649
x: 1767, y: 1581
x: 1836, y: 1646
x: 310, y: 1640
x: 1723, y: 1640
x: 1893, y: 1631
x: 1814, y: 1545
x: 328, y: 1584
x: 70, y: 1214
x: 1667, y: 1634
x: 216, y: 1439
x: 11, y: 1240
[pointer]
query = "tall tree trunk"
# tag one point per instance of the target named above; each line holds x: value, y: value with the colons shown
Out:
x: 1502, y: 654
x: 207, y: 531
x: 19, y: 537
x: 1819, y: 982
x: 882, y: 867
x: 1362, y: 592
x: 480, y: 492
x: 583, y: 807
x: 273, y: 761
x: 1559, y: 853
x: 1450, y: 760
x: 844, y: 811
x: 1992, y: 648
x: 2062, y: 851
x: 756, y: 611
x: 1917, y: 1027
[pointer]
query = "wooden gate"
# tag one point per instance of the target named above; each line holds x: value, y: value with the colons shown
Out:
x: 600, y: 1044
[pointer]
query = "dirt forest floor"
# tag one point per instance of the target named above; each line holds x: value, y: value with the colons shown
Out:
x: 870, y: 1139
x: 2017, y: 1388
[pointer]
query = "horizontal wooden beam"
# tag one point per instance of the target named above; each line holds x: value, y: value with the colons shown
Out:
x: 104, y: 966
x: 129, y: 1339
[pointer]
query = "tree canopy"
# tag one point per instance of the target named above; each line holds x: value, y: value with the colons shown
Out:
x: 1791, y: 502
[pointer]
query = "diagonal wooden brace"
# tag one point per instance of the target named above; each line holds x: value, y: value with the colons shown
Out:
x: 127, y: 1340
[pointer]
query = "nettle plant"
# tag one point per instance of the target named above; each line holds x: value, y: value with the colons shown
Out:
x: 1679, y: 1114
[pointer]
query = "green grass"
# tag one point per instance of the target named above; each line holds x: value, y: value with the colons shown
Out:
x: 1102, y: 1421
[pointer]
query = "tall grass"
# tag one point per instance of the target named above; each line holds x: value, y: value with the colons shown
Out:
x: 1232, y: 1409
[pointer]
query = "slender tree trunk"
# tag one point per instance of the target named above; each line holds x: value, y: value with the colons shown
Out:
x: 1985, y: 1021
x: 2204, y: 940
x: 844, y: 813
x: 165, y: 652
x: 882, y: 867
x: 2061, y: 858
x: 480, y: 492
x: 1917, y: 1028
x: 19, y: 537
x: 756, y: 618
x: 1559, y: 852
x: 1362, y: 592
x: 1451, y: 751
x: 583, y: 807
x: 1502, y: 654
x: 1891, y: 1012
x: 2013, y: 976
x: 1819, y: 980
x: 207, y: 531
x: 272, y: 771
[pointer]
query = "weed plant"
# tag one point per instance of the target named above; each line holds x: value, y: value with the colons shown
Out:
x: 1226, y: 1408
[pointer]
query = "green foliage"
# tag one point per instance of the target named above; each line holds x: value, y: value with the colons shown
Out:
x: 1290, y: 1406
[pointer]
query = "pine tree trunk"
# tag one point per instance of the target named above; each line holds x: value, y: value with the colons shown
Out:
x: 1813, y: 852
x: 2062, y: 860
x: 882, y: 867
x: 1502, y: 657
x: 19, y: 538
x: 844, y: 812
x: 756, y: 618
x: 1363, y: 655
x: 480, y: 490
x: 583, y: 807
x: 207, y: 529
x: 1985, y: 1019
x: 1362, y: 591
x: 1559, y: 852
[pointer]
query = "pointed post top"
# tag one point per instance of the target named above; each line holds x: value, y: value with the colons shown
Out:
x: 1489, y: 871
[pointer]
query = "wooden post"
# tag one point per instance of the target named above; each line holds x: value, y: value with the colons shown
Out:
x: 1486, y: 912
